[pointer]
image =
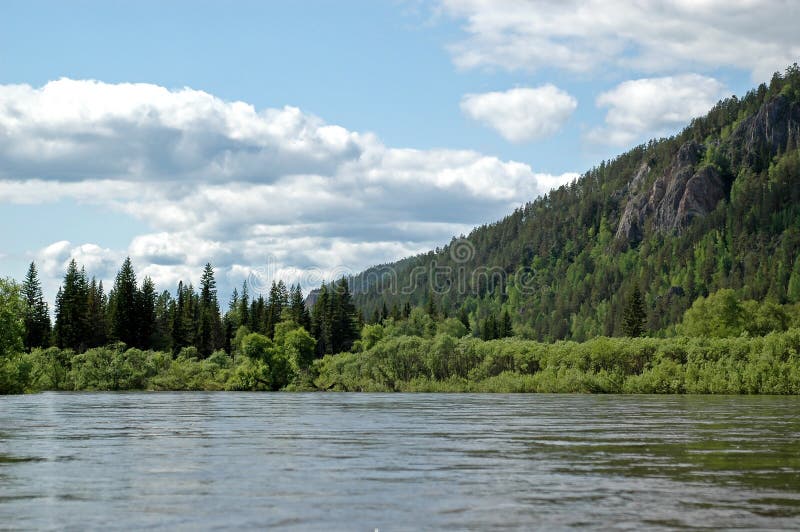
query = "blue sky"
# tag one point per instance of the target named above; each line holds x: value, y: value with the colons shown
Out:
x: 449, y: 114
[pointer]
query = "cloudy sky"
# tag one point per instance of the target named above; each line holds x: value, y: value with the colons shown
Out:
x: 276, y: 138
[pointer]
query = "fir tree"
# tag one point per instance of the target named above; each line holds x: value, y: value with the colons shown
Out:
x: 98, y: 319
x: 634, y: 316
x: 72, y: 316
x: 209, y: 332
x: 124, y: 305
x: 146, y: 314
x: 37, y: 315
x: 506, y: 328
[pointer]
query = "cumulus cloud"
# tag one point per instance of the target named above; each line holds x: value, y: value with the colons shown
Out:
x: 652, y: 35
x: 653, y: 107
x: 77, y: 129
x: 220, y: 181
x: 522, y: 114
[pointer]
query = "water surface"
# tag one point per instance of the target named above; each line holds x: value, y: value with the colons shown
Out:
x: 397, y: 461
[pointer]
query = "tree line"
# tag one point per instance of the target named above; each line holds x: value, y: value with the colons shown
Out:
x: 137, y: 315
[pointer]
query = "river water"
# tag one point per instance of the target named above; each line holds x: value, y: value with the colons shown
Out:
x: 330, y: 461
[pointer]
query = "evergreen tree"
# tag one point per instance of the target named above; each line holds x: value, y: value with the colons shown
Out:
x: 297, y: 307
x: 146, y: 314
x: 430, y: 307
x: 182, y: 323
x: 463, y: 317
x: 98, y: 319
x: 506, y: 328
x: 344, y: 318
x: 124, y: 304
x: 165, y: 308
x: 37, y: 315
x: 210, y: 332
x: 244, y: 307
x: 634, y: 316
x: 321, y: 322
x: 72, y: 309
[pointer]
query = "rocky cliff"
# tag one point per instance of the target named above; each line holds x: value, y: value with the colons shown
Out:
x: 692, y: 185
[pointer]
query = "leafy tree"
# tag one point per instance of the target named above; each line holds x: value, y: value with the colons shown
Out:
x: 37, y: 315
x: 718, y: 315
x: 12, y: 318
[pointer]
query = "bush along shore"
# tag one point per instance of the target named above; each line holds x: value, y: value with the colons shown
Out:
x: 442, y: 363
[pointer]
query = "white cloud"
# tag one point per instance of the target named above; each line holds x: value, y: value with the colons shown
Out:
x: 522, y: 114
x: 221, y: 182
x: 653, y: 107
x: 76, y: 129
x: 652, y: 35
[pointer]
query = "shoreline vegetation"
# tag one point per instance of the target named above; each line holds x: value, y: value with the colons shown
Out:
x: 723, y: 345
x: 678, y: 365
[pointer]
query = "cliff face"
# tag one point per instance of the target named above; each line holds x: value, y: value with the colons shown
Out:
x: 684, y: 191
x: 690, y: 188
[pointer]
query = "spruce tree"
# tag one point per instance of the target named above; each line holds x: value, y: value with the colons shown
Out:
x: 146, y: 314
x: 210, y: 332
x: 37, y: 315
x: 165, y: 308
x: 297, y: 307
x: 124, y: 306
x: 182, y: 326
x: 98, y: 320
x: 244, y: 307
x: 72, y: 309
x: 634, y: 316
x: 506, y: 328
x: 344, y: 318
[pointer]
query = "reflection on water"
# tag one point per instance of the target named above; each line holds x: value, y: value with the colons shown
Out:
x: 365, y: 461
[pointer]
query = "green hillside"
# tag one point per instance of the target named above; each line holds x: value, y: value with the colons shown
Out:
x: 716, y: 206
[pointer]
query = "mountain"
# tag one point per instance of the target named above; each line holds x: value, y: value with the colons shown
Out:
x: 715, y: 206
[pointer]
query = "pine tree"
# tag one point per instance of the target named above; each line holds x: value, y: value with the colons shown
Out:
x: 634, y: 316
x: 123, y: 306
x: 182, y: 319
x: 37, y: 315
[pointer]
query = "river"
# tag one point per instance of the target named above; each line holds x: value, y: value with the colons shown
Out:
x: 335, y: 461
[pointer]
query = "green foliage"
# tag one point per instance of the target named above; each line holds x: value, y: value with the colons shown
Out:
x: 769, y: 364
x: 12, y: 318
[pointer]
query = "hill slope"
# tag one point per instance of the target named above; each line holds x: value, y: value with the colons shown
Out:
x: 716, y: 206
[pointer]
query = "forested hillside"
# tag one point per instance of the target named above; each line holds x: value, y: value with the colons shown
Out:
x: 716, y: 206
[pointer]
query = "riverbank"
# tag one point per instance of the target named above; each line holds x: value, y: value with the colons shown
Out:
x: 758, y: 365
